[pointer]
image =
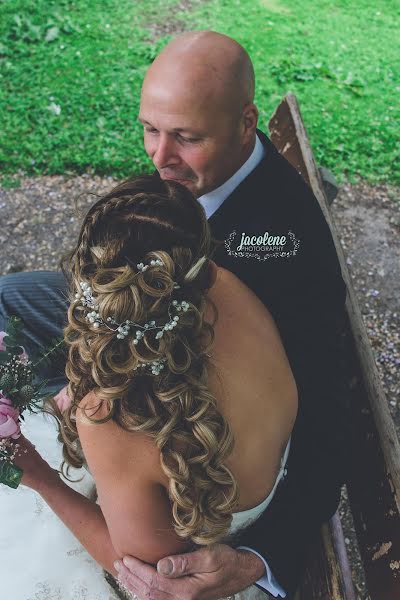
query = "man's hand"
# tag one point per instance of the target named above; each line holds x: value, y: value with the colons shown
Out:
x: 210, y: 573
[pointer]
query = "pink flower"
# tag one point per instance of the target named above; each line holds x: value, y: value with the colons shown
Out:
x: 9, y: 426
x: 62, y: 399
x: 24, y: 358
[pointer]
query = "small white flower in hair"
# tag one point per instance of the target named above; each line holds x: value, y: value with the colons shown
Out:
x: 142, y: 267
x: 153, y: 263
x: 86, y: 296
x: 123, y: 329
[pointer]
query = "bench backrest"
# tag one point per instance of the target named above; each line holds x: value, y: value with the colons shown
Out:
x: 374, y: 485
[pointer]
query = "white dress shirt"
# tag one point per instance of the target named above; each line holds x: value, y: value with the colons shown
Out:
x: 211, y: 202
x: 215, y: 198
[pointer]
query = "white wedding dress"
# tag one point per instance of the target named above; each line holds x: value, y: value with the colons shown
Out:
x: 40, y: 558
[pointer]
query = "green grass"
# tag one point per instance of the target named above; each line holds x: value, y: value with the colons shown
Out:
x: 71, y: 103
x: 70, y: 79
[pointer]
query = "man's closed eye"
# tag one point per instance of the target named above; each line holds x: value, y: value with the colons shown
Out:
x: 187, y: 139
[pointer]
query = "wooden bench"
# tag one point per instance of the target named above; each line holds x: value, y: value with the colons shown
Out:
x: 374, y: 485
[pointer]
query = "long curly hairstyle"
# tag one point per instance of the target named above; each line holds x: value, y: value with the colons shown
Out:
x: 143, y: 219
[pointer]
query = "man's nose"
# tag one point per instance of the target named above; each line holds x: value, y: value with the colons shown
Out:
x: 165, y: 152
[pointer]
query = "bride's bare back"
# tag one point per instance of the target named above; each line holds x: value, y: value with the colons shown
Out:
x: 254, y: 389
x: 253, y: 385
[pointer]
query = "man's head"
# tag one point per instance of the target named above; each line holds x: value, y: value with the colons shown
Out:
x: 197, y: 110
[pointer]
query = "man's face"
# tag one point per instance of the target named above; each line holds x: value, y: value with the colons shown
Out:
x: 188, y: 139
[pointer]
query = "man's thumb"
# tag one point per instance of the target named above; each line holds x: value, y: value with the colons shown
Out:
x: 165, y: 567
x: 184, y: 564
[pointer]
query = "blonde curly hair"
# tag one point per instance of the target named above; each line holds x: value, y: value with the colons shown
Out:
x: 142, y: 219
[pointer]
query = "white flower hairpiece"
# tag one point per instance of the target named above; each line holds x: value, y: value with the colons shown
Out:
x: 123, y: 329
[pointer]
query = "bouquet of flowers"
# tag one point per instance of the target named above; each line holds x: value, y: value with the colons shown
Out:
x: 18, y: 393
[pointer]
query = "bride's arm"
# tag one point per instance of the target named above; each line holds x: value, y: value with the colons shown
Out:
x: 82, y: 516
x: 126, y: 469
x: 135, y: 515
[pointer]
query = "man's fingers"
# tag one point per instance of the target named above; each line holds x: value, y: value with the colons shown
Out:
x: 144, y: 581
x: 144, y: 573
x: 178, y: 565
x: 131, y: 582
x: 126, y: 579
x: 137, y: 566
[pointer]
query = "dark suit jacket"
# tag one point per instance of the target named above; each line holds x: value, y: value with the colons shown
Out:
x: 305, y: 293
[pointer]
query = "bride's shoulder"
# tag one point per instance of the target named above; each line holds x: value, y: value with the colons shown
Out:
x: 231, y: 291
x: 106, y: 444
x: 228, y: 283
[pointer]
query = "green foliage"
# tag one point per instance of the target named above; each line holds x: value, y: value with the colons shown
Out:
x: 13, y: 340
x: 288, y: 71
x: 71, y: 72
x: 9, y: 182
x: 70, y: 81
x: 341, y: 59
x: 51, y: 354
x: 16, y: 378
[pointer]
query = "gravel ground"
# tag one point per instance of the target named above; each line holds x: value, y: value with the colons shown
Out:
x: 369, y: 224
x: 40, y: 220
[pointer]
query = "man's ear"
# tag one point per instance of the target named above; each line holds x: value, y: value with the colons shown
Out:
x: 249, y: 120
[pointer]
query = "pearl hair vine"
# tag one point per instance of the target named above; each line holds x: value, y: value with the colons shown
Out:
x: 123, y: 329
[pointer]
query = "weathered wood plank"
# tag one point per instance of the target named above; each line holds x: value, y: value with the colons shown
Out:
x: 374, y: 487
x: 328, y: 573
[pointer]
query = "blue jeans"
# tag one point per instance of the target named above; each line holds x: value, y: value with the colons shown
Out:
x: 40, y: 299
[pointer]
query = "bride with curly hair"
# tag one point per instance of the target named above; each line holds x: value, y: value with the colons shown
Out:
x: 182, y: 398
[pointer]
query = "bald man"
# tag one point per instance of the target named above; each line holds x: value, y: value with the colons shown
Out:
x: 197, y: 111
x: 200, y: 128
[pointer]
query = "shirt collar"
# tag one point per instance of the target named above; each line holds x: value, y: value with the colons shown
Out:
x: 213, y: 200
